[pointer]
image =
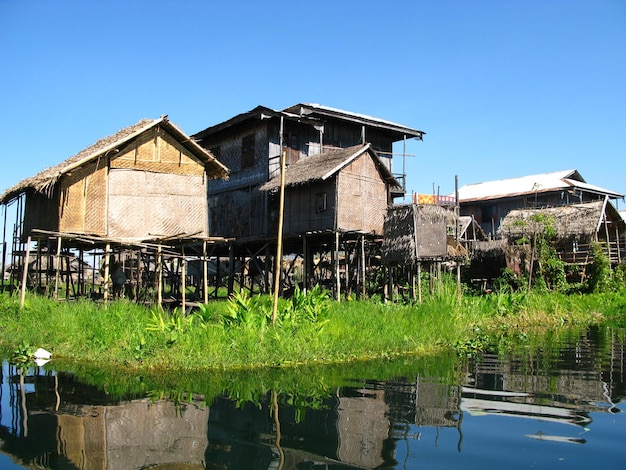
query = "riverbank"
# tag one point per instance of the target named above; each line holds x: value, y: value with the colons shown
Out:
x: 311, y: 330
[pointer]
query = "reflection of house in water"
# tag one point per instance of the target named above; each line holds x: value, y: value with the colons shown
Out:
x: 368, y: 421
x: 59, y: 423
x: 565, y: 392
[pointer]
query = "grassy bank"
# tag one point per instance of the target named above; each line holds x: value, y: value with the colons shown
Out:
x: 310, y: 329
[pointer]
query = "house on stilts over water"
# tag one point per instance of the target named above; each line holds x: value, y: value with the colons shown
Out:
x: 338, y: 182
x: 135, y: 199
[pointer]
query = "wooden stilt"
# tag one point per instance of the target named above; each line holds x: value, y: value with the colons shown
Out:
x: 183, y: 280
x: 107, y: 268
x: 337, y: 274
x: 58, y: 269
x: 25, y: 272
x: 419, y: 282
x: 159, y: 275
x: 205, y: 274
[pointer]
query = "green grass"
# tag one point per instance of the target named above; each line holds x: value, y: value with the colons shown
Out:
x: 310, y: 330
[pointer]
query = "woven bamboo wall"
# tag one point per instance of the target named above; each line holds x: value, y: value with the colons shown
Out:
x: 82, y: 202
x: 145, y: 204
x: 362, y: 197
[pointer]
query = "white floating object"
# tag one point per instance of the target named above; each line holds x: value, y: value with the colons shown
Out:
x: 42, y: 354
x: 41, y: 362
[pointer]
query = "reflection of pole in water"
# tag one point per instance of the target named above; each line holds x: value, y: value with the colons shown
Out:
x: 23, y: 404
x: 281, y: 453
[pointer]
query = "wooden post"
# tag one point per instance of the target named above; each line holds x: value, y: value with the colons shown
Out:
x: 139, y: 276
x: 279, y: 241
x: 25, y: 272
x: 57, y: 261
x: 4, y: 244
x: 205, y: 274
x: 363, y: 269
x: 337, y: 276
x: 107, y: 257
x: 159, y: 275
x: 419, y: 282
x: 412, y: 279
x: 231, y: 269
x: 458, y: 279
x: 183, y: 275
x: 305, y: 265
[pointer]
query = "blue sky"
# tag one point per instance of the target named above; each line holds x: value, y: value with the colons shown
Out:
x: 501, y: 88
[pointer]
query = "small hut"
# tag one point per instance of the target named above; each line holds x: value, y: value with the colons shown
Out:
x: 576, y: 227
x: 415, y: 233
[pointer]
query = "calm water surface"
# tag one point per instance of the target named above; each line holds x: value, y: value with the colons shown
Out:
x: 557, y: 407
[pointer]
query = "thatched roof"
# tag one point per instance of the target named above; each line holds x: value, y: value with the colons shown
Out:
x: 45, y: 180
x: 325, y: 165
x: 571, y: 220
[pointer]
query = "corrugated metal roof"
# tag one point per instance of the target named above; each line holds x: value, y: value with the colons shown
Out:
x: 531, y: 184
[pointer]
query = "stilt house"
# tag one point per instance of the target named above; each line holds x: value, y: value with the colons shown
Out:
x: 576, y: 227
x: 339, y: 182
x: 128, y: 192
x: 147, y: 181
x: 251, y: 145
x: 491, y: 201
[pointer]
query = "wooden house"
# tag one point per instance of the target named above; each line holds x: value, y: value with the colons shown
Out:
x: 146, y: 181
x: 338, y: 190
x: 251, y: 145
x: 491, y: 201
x: 340, y: 180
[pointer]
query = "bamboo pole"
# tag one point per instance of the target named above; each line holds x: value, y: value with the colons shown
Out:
x: 25, y: 273
x: 205, y: 274
x: 4, y: 244
x: 363, y: 270
x: 159, y: 274
x: 279, y: 241
x: 183, y: 275
x: 57, y: 262
x: 107, y: 268
x: 419, y: 282
x: 337, y: 277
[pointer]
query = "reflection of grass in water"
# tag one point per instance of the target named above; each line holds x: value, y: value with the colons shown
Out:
x: 301, y: 386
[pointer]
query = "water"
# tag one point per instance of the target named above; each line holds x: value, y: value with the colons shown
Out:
x: 559, y: 406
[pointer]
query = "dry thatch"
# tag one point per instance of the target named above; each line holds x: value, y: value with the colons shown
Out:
x: 45, y: 180
x: 576, y: 220
x: 325, y: 165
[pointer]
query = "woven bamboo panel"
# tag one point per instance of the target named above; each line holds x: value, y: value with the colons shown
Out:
x: 144, y: 205
x: 95, y: 208
x: 362, y: 197
x: 159, y: 154
x: 73, y: 199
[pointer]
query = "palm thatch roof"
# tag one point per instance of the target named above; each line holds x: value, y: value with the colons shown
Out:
x: 325, y: 165
x: 571, y: 220
x: 45, y: 180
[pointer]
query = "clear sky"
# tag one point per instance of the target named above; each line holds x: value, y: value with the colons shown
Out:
x: 502, y: 88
